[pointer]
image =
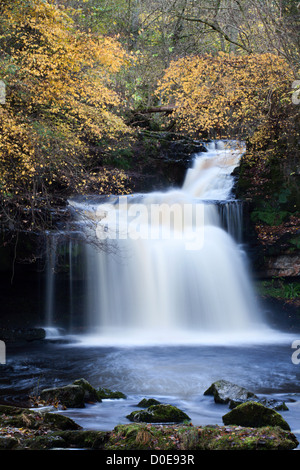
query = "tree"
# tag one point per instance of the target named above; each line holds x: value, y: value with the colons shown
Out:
x: 226, y: 95
x: 60, y: 110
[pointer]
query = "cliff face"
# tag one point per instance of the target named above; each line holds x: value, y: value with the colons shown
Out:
x: 270, y: 190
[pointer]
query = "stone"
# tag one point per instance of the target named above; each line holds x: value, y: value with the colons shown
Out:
x: 225, y: 392
x: 105, y: 393
x: 253, y: 414
x: 60, y: 422
x: 74, y: 395
x: 146, y: 402
x: 159, y: 414
x: 90, y: 393
x: 71, y: 396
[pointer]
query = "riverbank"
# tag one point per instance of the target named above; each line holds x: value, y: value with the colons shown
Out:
x: 24, y: 429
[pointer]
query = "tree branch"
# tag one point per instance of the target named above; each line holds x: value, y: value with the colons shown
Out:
x: 218, y: 30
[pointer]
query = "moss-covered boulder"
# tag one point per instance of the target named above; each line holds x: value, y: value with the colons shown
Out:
x: 159, y: 414
x: 107, y: 393
x: 84, y: 439
x: 70, y: 396
x: 74, y: 395
x: 18, y: 417
x: 255, y: 415
x: 146, y: 402
x: 90, y: 393
x: 60, y: 422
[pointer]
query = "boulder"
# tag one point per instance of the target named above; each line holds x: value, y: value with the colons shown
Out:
x: 253, y: 414
x: 74, y: 395
x: 159, y: 414
x: 146, y: 402
x: 225, y: 392
x: 90, y: 393
x: 105, y: 393
x: 70, y: 396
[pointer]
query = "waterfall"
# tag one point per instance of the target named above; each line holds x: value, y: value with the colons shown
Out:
x: 167, y: 266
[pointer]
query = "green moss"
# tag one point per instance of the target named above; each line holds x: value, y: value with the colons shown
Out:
x: 146, y: 402
x: 159, y: 414
x: 255, y: 415
x: 103, y: 393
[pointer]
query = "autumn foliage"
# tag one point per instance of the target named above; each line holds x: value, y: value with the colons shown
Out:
x: 225, y: 95
x: 60, y: 105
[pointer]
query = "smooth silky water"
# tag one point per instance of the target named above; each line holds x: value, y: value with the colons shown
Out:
x: 169, y: 308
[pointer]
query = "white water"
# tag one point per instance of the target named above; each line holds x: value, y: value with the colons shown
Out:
x: 174, y: 281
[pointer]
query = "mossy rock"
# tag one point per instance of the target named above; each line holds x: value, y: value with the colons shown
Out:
x: 44, y: 443
x: 146, y: 402
x: 83, y: 439
x: 255, y: 415
x: 106, y: 393
x: 90, y: 393
x: 71, y: 396
x: 74, y: 395
x: 8, y: 443
x: 18, y: 417
x: 59, y: 421
x: 159, y: 414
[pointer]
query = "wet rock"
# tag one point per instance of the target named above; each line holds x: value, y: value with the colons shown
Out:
x: 159, y: 414
x: 8, y: 443
x: 60, y: 422
x: 253, y: 414
x: 71, y: 396
x: 90, y: 393
x: 84, y: 439
x: 146, y: 402
x: 45, y: 442
x: 74, y: 395
x: 105, y: 393
x: 225, y: 392
x: 13, y: 335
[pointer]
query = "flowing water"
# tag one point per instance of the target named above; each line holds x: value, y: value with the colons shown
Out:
x: 166, y: 270
x: 167, y: 304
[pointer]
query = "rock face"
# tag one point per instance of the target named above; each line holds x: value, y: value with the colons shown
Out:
x: 256, y: 415
x: 284, y: 265
x: 159, y: 414
x: 13, y: 335
x: 225, y: 392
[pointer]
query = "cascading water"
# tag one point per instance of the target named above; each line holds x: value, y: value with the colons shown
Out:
x: 165, y: 270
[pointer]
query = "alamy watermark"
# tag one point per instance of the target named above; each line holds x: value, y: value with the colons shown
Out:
x: 296, y: 93
x: 2, y: 352
x: 2, y: 92
x: 296, y: 353
x: 164, y: 221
